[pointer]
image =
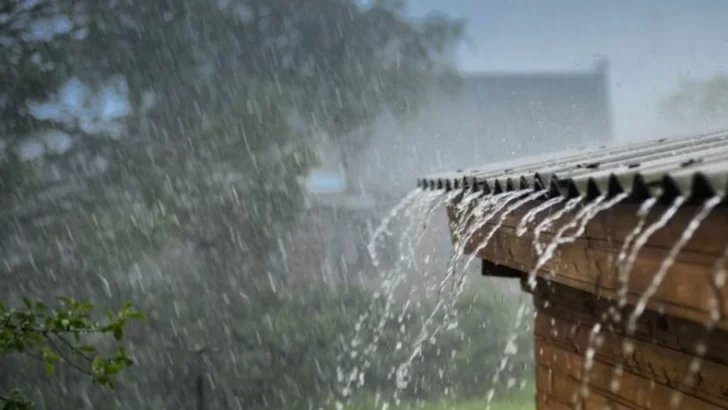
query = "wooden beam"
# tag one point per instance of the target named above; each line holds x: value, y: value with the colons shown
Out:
x: 655, y: 370
x: 589, y: 262
x: 500, y: 271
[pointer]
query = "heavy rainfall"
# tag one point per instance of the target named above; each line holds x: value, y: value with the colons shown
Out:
x: 213, y: 204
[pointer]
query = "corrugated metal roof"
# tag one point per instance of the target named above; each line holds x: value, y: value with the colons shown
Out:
x: 696, y: 167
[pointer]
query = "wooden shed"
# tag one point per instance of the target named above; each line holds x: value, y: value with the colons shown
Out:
x: 624, y: 252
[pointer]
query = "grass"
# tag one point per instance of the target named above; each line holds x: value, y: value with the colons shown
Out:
x: 522, y: 404
x: 525, y: 402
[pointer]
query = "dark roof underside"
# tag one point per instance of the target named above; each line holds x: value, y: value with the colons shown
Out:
x: 696, y: 167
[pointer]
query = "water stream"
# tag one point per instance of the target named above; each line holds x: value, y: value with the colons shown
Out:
x: 384, y: 225
x: 717, y: 306
x: 669, y: 260
x: 412, y: 208
x: 479, y: 215
x: 621, y: 263
x: 570, y: 205
x: 529, y: 217
x: 625, y: 273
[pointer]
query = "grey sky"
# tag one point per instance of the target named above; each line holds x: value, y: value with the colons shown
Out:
x: 650, y: 44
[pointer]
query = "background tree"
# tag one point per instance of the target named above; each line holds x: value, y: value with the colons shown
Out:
x: 132, y: 128
x: 61, y: 336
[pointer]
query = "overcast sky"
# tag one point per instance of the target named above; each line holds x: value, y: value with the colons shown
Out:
x: 651, y: 44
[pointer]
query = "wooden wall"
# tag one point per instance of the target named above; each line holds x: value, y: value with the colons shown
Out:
x: 664, y: 348
x: 589, y: 262
x: 577, y: 289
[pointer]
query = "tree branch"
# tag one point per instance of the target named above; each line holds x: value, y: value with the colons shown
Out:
x: 63, y: 356
x: 73, y: 348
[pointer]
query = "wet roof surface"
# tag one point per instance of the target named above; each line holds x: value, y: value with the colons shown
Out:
x: 696, y: 167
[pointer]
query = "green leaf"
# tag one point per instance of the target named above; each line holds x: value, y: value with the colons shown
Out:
x: 41, y: 307
x: 118, y: 332
x: 87, y: 348
x: 126, y: 308
x: 136, y: 315
x: 83, y: 306
x: 48, y: 354
x: 98, y: 364
x: 114, y: 368
x: 50, y: 369
x: 28, y: 303
x: 65, y: 300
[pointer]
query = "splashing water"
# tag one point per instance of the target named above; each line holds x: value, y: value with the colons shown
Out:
x: 458, y: 226
x: 622, y: 277
x: 384, y: 225
x: 645, y: 236
x: 582, y: 219
x: 418, y: 212
x: 717, y: 306
x: 498, y: 202
x: 639, y: 243
x: 659, y: 278
x: 509, y: 351
x: 411, y: 208
x: 590, y: 213
x: 522, y: 227
x: 717, y: 282
x: 594, y: 342
x: 549, y: 220
x: 479, y: 216
x: 530, y: 198
x: 667, y: 263
x: 580, y: 222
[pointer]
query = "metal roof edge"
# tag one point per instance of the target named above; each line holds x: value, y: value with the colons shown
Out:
x: 695, y: 167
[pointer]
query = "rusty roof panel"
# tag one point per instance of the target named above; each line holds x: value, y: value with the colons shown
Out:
x: 693, y: 167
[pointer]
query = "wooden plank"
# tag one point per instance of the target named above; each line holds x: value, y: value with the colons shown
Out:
x: 651, y: 361
x: 546, y: 402
x: 597, y: 401
x: 674, y: 333
x: 588, y: 264
x: 635, y: 391
x: 569, y: 387
x: 565, y: 390
x: 543, y: 380
x: 615, y: 224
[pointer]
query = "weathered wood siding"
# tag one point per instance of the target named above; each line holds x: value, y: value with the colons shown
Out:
x: 589, y: 262
x: 664, y: 348
x: 577, y: 289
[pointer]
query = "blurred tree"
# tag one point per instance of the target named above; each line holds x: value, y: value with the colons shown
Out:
x: 129, y: 126
x: 61, y: 336
x: 698, y: 103
x: 167, y: 75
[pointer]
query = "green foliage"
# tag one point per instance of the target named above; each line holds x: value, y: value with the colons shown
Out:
x: 60, y: 336
x: 215, y: 164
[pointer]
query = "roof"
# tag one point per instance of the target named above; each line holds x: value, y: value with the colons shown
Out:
x: 696, y: 167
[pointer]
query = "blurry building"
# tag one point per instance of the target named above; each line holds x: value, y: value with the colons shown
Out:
x: 491, y: 117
